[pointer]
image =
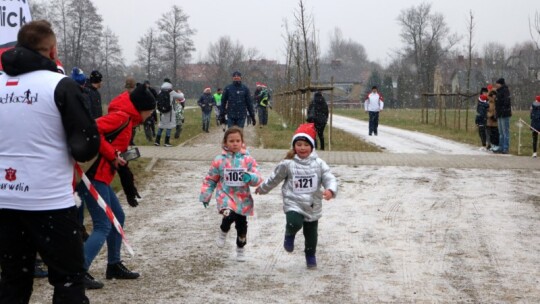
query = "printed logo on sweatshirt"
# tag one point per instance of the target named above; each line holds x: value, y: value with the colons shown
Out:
x: 11, y: 176
x: 27, y: 98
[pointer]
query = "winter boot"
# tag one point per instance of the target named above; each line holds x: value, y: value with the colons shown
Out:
x: 91, y: 283
x: 158, y: 140
x: 119, y: 271
x: 311, y: 261
x: 288, y: 244
x: 240, y: 254
x: 534, y: 155
x: 167, y: 143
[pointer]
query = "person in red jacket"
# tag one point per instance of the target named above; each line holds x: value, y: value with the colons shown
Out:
x: 125, y: 111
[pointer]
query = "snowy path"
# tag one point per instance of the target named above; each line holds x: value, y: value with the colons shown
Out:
x: 396, y: 140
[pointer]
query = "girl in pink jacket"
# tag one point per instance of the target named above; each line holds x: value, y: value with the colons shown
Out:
x: 231, y: 174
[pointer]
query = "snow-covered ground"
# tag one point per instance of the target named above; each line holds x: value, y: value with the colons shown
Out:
x: 393, y: 235
x: 396, y: 140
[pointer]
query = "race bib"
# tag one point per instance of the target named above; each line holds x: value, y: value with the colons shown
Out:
x: 305, y: 183
x: 234, y: 177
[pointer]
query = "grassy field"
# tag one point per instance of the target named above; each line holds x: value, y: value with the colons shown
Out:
x: 410, y: 119
x: 276, y: 136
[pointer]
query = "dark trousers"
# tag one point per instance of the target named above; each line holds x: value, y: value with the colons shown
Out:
x: 320, y: 133
x: 295, y: 222
x: 240, y: 223
x: 534, y: 141
x: 373, y: 122
x: 55, y: 234
x: 492, y: 138
x: 482, y: 132
x: 149, y: 131
x: 263, y: 115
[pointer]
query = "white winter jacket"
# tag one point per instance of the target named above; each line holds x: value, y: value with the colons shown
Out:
x: 301, y: 188
x: 374, y: 102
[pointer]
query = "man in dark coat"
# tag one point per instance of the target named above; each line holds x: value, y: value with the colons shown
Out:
x: 503, y: 109
x: 318, y: 114
x: 94, y: 84
x: 236, y: 101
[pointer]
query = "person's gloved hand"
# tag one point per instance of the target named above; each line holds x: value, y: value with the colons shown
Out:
x: 205, y: 204
x: 222, y: 118
x: 132, y: 200
x: 246, y: 177
x: 253, y: 120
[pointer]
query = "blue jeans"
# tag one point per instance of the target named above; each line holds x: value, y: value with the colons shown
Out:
x: 236, y: 121
x: 504, y: 133
x: 167, y: 132
x: 103, y: 229
x: 206, y: 120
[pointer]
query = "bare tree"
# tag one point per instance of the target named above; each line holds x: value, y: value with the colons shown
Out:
x: 83, y: 33
x: 225, y: 55
x: 534, y: 29
x: 112, y: 63
x: 495, y: 55
x: 147, y: 54
x: 426, y: 37
x: 304, y: 23
x: 348, y: 51
x: 175, y: 39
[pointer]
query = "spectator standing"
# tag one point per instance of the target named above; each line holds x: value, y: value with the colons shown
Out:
x: 57, y: 129
x: 125, y: 111
x: 167, y: 121
x: 236, y: 102
x: 374, y: 104
x: 535, y: 123
x: 482, y: 107
x: 503, y: 108
x: 318, y: 114
x: 94, y: 84
x: 181, y: 104
x: 492, y: 138
x: 207, y: 103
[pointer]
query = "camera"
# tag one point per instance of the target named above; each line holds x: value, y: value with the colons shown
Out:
x: 131, y: 154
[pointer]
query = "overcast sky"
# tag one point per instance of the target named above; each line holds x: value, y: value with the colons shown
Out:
x: 258, y: 23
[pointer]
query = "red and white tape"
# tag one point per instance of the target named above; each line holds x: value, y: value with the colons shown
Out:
x: 528, y: 125
x: 105, y: 207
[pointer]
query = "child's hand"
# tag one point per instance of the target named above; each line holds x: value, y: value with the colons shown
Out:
x: 328, y: 194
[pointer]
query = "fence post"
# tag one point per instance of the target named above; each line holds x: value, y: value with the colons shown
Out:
x: 331, y: 114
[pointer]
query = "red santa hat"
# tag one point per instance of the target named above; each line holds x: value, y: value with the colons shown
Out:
x: 538, y: 98
x: 483, y: 97
x: 263, y: 85
x: 490, y: 87
x: 207, y: 90
x: 259, y: 84
x: 305, y: 132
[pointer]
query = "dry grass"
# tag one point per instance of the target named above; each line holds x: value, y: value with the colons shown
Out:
x: 277, y: 135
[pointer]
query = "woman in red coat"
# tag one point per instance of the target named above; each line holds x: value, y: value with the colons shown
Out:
x: 126, y: 111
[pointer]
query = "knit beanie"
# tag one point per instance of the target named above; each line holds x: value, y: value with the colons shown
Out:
x: 483, y: 97
x: 142, y: 98
x: 95, y: 77
x: 305, y: 132
x: 500, y: 81
x: 538, y: 98
x: 78, y: 75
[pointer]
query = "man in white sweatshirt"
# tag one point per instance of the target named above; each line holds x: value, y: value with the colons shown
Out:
x: 374, y: 104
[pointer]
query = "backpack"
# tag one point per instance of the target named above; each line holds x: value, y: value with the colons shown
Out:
x: 164, y: 102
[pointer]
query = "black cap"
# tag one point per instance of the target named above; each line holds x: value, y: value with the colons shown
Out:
x: 236, y: 74
x: 500, y: 81
x: 95, y: 77
x: 142, y: 98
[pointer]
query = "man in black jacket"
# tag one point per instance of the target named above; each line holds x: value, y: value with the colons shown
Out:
x: 503, y: 110
x: 235, y: 103
x: 45, y: 127
x: 94, y: 84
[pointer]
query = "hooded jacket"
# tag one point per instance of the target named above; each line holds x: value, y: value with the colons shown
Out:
x: 121, y: 110
x: 318, y: 110
x: 535, y: 115
x: 45, y: 125
x: 235, y: 197
x: 301, y: 190
x: 503, y: 105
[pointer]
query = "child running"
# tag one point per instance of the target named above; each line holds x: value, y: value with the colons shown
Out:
x: 303, y: 173
x: 232, y: 172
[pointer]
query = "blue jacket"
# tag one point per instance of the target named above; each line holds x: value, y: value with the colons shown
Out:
x: 206, y: 102
x: 236, y: 101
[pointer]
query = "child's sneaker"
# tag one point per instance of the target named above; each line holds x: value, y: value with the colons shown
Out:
x: 288, y: 244
x: 240, y: 254
x: 311, y: 261
x: 534, y: 155
x: 220, y: 241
